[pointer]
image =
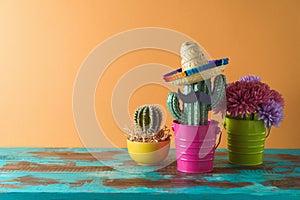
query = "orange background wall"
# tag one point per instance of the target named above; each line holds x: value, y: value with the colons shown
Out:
x: 43, y: 43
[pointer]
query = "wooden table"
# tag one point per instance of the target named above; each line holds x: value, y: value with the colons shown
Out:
x: 77, y: 173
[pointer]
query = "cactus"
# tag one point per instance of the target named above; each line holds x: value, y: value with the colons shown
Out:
x: 196, y: 100
x: 148, y: 118
x: 200, y: 97
x: 147, y: 125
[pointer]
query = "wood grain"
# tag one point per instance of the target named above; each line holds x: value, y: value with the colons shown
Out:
x: 78, y: 173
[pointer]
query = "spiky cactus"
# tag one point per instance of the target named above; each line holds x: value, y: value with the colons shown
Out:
x: 148, y: 118
x: 197, y: 98
x: 197, y: 101
x: 147, y: 125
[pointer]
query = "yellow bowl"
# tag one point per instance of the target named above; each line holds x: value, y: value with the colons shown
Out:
x: 148, y: 153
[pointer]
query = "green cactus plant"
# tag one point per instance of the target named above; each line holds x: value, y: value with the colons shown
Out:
x: 147, y: 125
x: 196, y: 100
x: 148, y: 118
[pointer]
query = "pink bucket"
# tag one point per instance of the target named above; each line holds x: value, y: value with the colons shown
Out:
x: 195, y: 146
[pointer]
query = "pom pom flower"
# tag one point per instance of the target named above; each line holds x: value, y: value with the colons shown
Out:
x: 249, y: 99
x: 272, y: 113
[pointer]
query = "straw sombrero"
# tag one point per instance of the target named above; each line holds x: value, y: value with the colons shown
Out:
x: 195, y: 66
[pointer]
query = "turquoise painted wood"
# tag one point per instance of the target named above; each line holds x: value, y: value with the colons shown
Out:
x: 77, y: 173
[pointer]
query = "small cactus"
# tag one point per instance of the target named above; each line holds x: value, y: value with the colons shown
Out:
x: 147, y: 125
x: 148, y: 118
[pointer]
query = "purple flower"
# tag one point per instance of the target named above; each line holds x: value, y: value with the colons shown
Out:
x: 277, y: 97
x: 250, y: 78
x: 272, y: 113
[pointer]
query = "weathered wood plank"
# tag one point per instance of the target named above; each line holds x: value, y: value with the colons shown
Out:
x: 68, y: 173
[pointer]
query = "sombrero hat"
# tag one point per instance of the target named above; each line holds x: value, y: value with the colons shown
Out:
x: 195, y: 66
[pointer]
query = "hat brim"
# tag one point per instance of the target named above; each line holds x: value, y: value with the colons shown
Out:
x: 204, y: 72
x: 199, y: 76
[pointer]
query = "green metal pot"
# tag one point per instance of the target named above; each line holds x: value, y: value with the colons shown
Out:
x: 246, y: 141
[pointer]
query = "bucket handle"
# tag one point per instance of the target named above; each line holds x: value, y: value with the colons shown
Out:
x: 268, y: 132
x: 219, y: 141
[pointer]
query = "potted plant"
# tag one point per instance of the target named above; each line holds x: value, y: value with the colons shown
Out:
x: 195, y: 134
x: 252, y: 108
x: 147, y: 142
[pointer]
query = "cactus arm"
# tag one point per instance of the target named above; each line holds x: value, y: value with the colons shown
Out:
x: 218, y: 90
x: 173, y: 106
x: 208, y: 85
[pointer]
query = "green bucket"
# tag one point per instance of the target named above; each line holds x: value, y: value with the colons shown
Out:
x: 246, y: 141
